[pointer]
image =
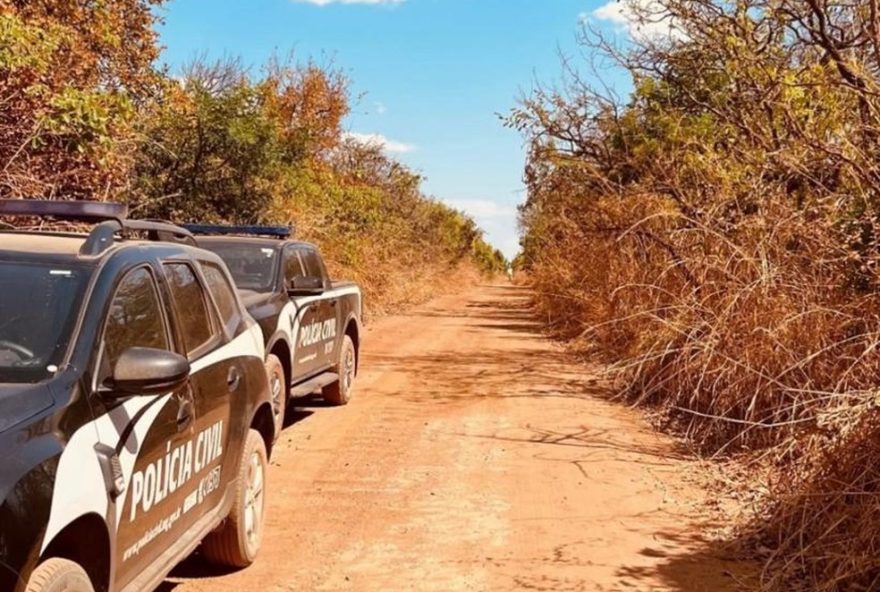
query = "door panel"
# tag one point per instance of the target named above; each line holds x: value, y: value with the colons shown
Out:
x: 316, y: 338
x: 145, y: 433
x: 308, y: 338
x: 332, y: 336
x: 159, y: 454
x: 316, y: 327
x: 214, y: 378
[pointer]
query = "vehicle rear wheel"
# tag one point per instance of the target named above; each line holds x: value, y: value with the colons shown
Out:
x: 278, y: 390
x: 339, y: 393
x: 59, y: 575
x: 236, y: 542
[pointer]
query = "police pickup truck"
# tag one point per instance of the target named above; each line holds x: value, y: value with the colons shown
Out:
x: 135, y: 410
x: 311, y: 324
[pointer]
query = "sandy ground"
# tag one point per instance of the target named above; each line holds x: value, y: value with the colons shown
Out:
x: 475, y: 456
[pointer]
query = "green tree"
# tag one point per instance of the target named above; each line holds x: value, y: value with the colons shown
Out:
x: 71, y: 77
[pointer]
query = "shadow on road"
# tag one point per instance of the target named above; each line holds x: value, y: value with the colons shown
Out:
x: 193, y: 567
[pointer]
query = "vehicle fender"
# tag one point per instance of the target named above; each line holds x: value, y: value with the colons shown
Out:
x: 262, y: 420
x: 255, y: 330
x: 278, y: 337
x: 25, y: 506
x: 354, y: 318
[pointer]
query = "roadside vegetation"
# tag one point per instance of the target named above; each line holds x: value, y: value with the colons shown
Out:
x: 88, y: 114
x: 714, y: 237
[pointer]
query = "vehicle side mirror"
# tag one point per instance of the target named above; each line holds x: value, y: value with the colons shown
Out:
x: 303, y: 285
x: 148, y: 371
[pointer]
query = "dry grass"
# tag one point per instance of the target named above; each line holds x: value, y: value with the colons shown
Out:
x: 394, y: 287
x: 394, y: 271
x: 822, y: 521
x: 754, y: 340
x: 715, y: 238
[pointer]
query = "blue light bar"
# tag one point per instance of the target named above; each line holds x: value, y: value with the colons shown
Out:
x: 280, y: 232
x: 79, y: 211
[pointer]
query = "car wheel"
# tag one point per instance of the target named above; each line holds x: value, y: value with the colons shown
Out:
x: 278, y: 391
x: 59, y: 575
x: 236, y: 542
x: 339, y: 393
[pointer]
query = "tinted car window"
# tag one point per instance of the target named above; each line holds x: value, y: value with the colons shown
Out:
x: 252, y: 267
x: 135, y: 319
x: 312, y: 263
x: 223, y: 294
x: 292, y: 266
x: 191, y: 306
x: 38, y: 309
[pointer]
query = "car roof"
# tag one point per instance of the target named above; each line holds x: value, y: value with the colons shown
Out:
x: 61, y: 246
x: 265, y: 242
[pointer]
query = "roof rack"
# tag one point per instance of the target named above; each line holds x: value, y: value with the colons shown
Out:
x: 279, y: 232
x: 110, y: 219
x: 105, y: 233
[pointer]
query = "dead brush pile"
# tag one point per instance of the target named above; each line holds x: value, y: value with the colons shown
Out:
x: 715, y: 240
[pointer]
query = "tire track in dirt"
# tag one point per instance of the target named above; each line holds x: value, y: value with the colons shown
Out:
x: 475, y: 456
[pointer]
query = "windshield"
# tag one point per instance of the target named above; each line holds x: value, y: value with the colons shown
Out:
x: 252, y: 266
x: 38, y: 308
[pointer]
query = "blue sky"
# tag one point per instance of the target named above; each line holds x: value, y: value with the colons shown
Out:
x: 435, y: 74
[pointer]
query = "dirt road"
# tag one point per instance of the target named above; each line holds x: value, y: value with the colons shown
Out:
x: 475, y: 457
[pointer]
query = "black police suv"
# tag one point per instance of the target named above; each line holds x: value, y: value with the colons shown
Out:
x: 135, y: 412
x: 311, y: 324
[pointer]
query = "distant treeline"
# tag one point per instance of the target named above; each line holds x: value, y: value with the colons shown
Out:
x: 714, y: 236
x: 87, y: 113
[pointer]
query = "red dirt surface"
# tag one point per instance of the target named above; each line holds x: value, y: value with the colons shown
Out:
x: 476, y: 456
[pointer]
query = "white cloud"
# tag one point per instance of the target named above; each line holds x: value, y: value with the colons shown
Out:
x: 483, y: 209
x: 497, y: 219
x: 386, y: 144
x: 328, y: 2
x: 381, y: 109
x: 644, y: 20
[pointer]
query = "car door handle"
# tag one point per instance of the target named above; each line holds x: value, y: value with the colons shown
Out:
x: 233, y: 379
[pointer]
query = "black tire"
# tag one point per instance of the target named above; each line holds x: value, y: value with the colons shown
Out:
x: 236, y: 542
x: 59, y: 575
x: 339, y: 393
x: 278, y: 391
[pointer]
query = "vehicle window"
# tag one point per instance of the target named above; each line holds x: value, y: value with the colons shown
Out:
x: 39, y: 305
x: 223, y: 294
x: 312, y: 263
x: 293, y: 267
x: 252, y: 266
x: 135, y: 319
x: 191, y: 306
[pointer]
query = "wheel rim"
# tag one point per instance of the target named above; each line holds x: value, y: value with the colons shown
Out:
x: 277, y: 394
x: 348, y: 369
x: 253, y: 509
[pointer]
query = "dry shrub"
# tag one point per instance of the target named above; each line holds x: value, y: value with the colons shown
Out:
x: 744, y: 336
x: 752, y: 341
x: 822, y: 522
x: 393, y: 287
x: 715, y: 240
x: 394, y: 269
